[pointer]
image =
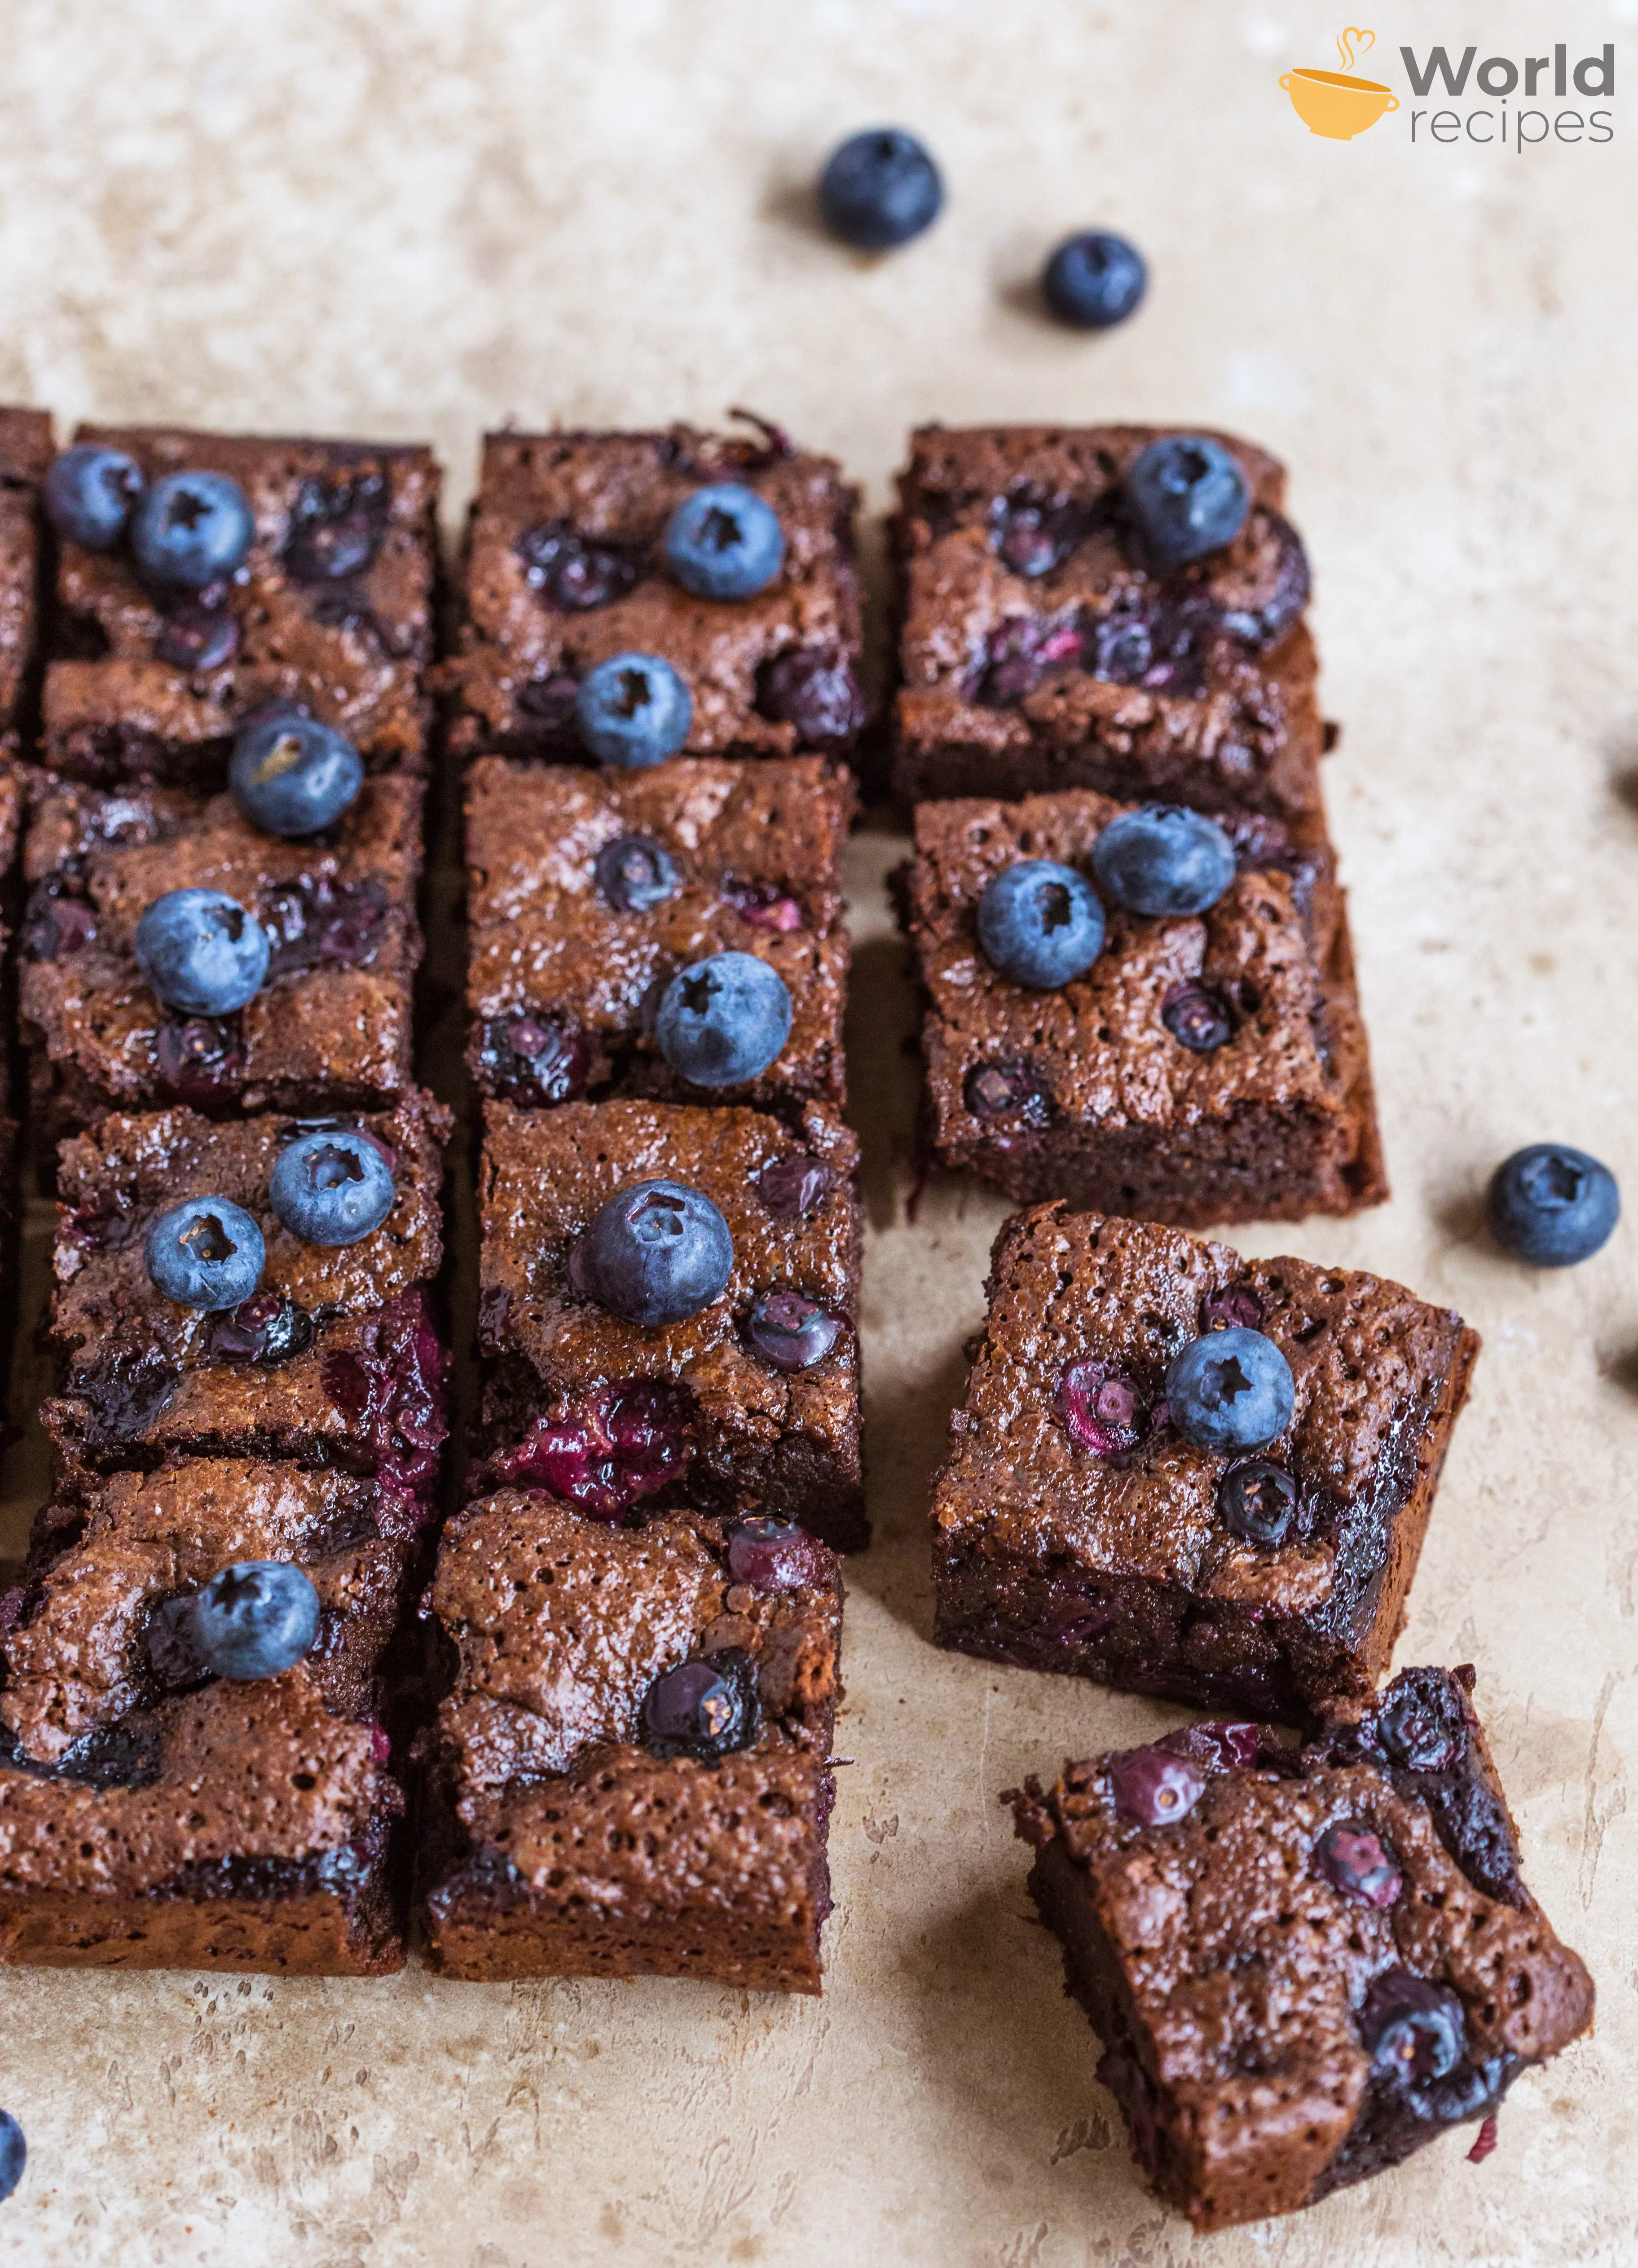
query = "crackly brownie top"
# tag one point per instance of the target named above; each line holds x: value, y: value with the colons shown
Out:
x: 754, y: 857
x: 1043, y: 1463
x: 565, y: 571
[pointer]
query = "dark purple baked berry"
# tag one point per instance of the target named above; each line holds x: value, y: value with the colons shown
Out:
x: 813, y: 690
x: 1197, y: 1018
x: 1231, y: 1390
x: 201, y: 1059
x: 1186, y: 496
x: 1421, y: 1723
x: 1094, y: 280
x: 191, y: 529
x: 534, y: 1059
x: 724, y: 1020
x: 1040, y: 923
x: 549, y: 703
x: 879, y: 190
x: 1026, y: 649
x: 1153, y: 1787
x: 13, y: 2154
x: 331, y: 1189
x: 654, y: 1253
x: 197, y: 638
x: 792, y: 1187
x: 1164, y: 860
x: 633, y: 711
x: 1100, y: 1409
x: 636, y: 874
x: 1235, y: 1305
x: 763, y: 904
x: 790, y: 1330
x: 336, y: 527
x: 291, y: 776
x: 1257, y: 1501
x: 320, y: 922
x: 1224, y: 1744
x: 723, y: 542
x: 54, y: 924
x: 1008, y: 1090
x: 1032, y: 531
x: 206, y: 1252
x: 608, y: 1454
x: 706, y: 1709
x: 1550, y: 1205
x: 200, y: 951
x: 267, y: 1330
x: 1412, y: 2030
x: 776, y: 1555
x: 89, y: 493
x: 1353, y: 1859
x: 572, y: 571
x: 257, y: 1618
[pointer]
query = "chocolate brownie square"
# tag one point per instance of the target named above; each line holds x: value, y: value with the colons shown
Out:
x: 565, y: 571
x: 590, y: 890
x: 1205, y: 1068
x: 332, y: 611
x: 1075, y: 1528
x: 1304, y: 1964
x: 334, y: 1361
x: 717, y: 1411
x: 1037, y: 651
x: 331, y: 1028
x: 154, y: 1815
x: 630, y: 1774
x: 25, y: 460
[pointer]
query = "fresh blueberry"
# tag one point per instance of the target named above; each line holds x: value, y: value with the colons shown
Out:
x: 635, y: 874
x: 775, y: 1555
x: 13, y: 2154
x: 1041, y: 924
x: 723, y: 542
x: 191, y: 529
x: 1257, y: 1501
x: 706, y: 1709
x: 331, y: 1189
x: 634, y: 710
x: 1094, y: 280
x: 1152, y: 1787
x: 202, y: 952
x: 1187, y: 496
x: 724, y: 1020
x: 654, y: 1253
x: 1550, y: 1205
x: 790, y: 1330
x: 292, y: 775
x: 1164, y: 860
x: 880, y: 189
x: 1354, y: 1859
x: 1231, y: 1390
x: 89, y: 494
x: 206, y: 1252
x: 257, y: 1618
x: 1412, y: 2030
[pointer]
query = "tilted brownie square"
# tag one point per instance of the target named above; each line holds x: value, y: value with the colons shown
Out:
x: 154, y: 1814
x: 1075, y: 1528
x: 1205, y: 1068
x: 630, y: 1774
x: 332, y: 1361
x: 591, y: 890
x: 332, y: 611
x: 1304, y: 1964
x: 1037, y: 652
x: 565, y: 571
x: 330, y: 1026
x: 25, y: 460
x: 748, y: 1404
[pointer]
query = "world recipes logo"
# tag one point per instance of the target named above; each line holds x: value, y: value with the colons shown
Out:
x: 1518, y: 102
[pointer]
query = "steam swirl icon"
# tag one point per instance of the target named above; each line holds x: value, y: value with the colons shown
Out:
x: 1336, y: 104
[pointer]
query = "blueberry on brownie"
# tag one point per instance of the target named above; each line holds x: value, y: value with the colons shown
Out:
x: 630, y: 1774
x: 1303, y: 1964
x: 1255, y: 1550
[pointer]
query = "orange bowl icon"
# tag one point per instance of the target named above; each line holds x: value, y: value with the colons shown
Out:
x: 1336, y: 105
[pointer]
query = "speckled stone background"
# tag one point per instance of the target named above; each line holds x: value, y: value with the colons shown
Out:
x: 419, y: 219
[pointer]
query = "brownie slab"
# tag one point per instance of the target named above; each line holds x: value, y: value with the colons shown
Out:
x: 565, y: 1840
x: 1206, y: 1068
x: 25, y: 460
x: 562, y: 978
x: 1075, y: 1529
x: 611, y: 1415
x: 1036, y: 653
x: 564, y: 571
x: 329, y: 1028
x: 332, y: 611
x: 1303, y: 1965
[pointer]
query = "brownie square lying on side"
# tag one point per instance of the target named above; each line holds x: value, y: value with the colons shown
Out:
x: 630, y: 1774
x: 1075, y: 1528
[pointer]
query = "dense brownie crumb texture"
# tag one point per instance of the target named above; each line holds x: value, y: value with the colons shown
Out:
x: 1304, y: 1964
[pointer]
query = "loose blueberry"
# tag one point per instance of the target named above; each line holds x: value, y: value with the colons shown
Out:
x: 775, y: 1555
x: 89, y: 494
x: 291, y: 775
x: 1422, y: 1723
x: 1153, y: 1787
x: 654, y: 1253
x: 257, y: 1618
x: 879, y: 190
x: 1197, y: 1018
x: 635, y: 874
x: 1412, y: 2030
x: 1100, y: 1409
x: 1550, y: 1205
x: 13, y: 2154
x: 1040, y: 923
x: 1164, y: 860
x: 1094, y: 280
x: 723, y: 542
x: 706, y: 1709
x: 1231, y: 1390
x: 790, y: 1330
x: 1353, y: 1859
x: 1258, y: 1502
x: 792, y: 1187
x: 633, y: 711
x: 724, y: 1020
x: 1187, y: 496
x: 191, y: 529
x: 331, y: 1189
x: 202, y: 952
x: 206, y: 1252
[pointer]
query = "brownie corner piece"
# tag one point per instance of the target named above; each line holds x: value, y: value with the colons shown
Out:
x: 1075, y: 1528
x: 1370, y: 1883
x: 631, y: 1773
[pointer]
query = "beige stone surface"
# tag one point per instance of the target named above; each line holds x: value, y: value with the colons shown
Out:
x: 418, y: 219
